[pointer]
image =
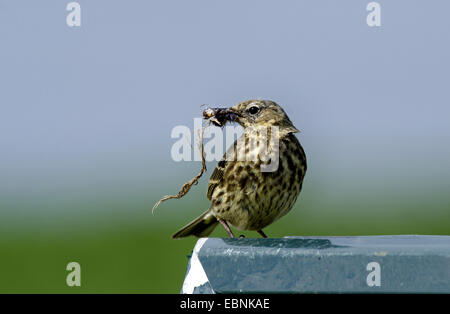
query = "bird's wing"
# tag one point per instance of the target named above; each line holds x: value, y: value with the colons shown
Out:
x: 216, y: 177
x: 218, y: 173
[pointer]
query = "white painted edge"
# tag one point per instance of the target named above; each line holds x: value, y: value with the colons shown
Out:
x: 196, y: 275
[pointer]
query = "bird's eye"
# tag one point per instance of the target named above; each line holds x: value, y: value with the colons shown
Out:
x: 253, y: 110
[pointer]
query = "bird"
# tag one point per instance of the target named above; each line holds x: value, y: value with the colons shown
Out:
x: 241, y: 194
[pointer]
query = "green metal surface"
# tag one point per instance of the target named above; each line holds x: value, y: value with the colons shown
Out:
x: 371, y: 264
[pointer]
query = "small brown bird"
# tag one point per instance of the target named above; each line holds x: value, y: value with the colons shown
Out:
x: 247, y: 189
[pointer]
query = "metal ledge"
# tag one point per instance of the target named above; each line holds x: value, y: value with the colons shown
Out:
x: 367, y: 264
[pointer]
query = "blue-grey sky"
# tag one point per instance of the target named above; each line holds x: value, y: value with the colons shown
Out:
x: 89, y: 109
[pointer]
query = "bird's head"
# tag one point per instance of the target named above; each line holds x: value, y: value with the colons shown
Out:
x: 255, y: 113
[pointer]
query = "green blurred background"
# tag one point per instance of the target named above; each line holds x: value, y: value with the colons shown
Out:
x: 86, y: 116
x: 128, y: 250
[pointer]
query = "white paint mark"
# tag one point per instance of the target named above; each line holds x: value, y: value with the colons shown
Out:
x: 196, y: 275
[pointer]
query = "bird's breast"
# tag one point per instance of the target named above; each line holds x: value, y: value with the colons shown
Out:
x: 255, y: 198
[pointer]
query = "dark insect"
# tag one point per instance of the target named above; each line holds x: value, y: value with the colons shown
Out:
x: 220, y: 116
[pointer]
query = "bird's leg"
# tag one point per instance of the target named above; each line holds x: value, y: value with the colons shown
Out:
x: 262, y: 233
x: 227, y: 228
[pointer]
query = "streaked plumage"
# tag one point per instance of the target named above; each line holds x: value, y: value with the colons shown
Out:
x: 240, y: 193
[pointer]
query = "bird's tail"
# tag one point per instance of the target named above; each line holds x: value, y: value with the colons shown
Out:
x: 200, y: 227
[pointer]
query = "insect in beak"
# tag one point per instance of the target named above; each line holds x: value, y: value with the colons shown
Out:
x: 220, y: 116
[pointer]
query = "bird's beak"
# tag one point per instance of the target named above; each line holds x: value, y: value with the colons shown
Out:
x: 220, y: 116
x: 229, y: 114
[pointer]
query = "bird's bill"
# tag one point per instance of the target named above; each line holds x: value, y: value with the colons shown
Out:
x: 220, y: 116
